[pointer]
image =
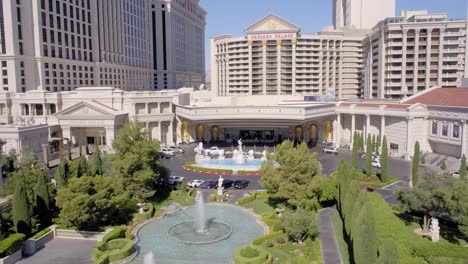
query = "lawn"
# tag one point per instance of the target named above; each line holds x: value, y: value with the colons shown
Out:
x: 260, y: 206
x: 176, y: 196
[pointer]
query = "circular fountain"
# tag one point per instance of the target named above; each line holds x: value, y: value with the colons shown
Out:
x: 200, y: 230
x: 202, y: 234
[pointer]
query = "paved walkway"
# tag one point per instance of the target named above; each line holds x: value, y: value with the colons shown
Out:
x: 60, y: 251
x: 388, y: 191
x: 328, y: 244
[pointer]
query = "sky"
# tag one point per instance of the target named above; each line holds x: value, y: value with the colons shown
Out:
x: 231, y: 17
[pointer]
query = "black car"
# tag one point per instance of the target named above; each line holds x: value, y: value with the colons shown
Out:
x: 209, y: 185
x: 227, y: 183
x: 164, y: 155
x: 241, y: 183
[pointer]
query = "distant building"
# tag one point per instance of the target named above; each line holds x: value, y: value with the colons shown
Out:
x: 361, y: 14
x: 408, y: 54
x: 275, y: 58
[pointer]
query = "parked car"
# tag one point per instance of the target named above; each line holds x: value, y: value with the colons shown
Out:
x: 332, y: 150
x: 195, y: 183
x: 165, y: 155
x: 456, y: 174
x: 176, y: 179
x: 167, y: 151
x: 241, y: 183
x: 176, y: 149
x: 212, y: 151
x: 227, y: 183
x: 374, y: 156
x: 209, y: 185
x: 376, y: 164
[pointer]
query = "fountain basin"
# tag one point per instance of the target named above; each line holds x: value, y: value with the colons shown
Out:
x: 153, y: 236
x: 229, y: 164
x: 185, y: 233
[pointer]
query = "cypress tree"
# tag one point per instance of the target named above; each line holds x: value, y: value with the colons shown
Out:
x: 369, y: 156
x: 384, y: 161
x: 361, y: 141
x: 364, y: 237
x: 41, y: 190
x: 341, y: 178
x: 62, y: 173
x: 374, y: 143
x: 415, y: 166
x: 69, y: 149
x: 96, y: 163
x: 355, y: 153
x: 463, y: 167
x: 21, y: 213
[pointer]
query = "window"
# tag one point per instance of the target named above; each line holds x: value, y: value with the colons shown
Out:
x: 445, y: 130
x: 435, y: 128
x: 456, y: 131
x: 393, y: 146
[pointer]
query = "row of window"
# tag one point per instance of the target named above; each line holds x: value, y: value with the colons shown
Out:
x: 441, y: 128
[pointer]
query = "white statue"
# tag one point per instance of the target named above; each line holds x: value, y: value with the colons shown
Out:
x: 239, y: 142
x: 221, y: 154
x: 220, y: 185
x: 434, y: 232
x: 199, y: 149
x: 264, y: 155
x: 251, y: 154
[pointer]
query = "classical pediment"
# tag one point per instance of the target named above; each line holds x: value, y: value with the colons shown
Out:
x: 84, y: 109
x: 272, y: 24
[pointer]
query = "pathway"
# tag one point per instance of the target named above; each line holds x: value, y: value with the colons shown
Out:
x: 387, y: 192
x: 328, y: 244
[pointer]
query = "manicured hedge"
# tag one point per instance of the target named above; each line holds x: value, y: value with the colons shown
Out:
x: 149, y: 213
x: 114, y: 250
x: 41, y: 233
x: 251, y: 255
x: 262, y: 239
x: 247, y: 172
x: 11, y: 244
x: 192, y: 166
x: 117, y: 232
x: 247, y: 199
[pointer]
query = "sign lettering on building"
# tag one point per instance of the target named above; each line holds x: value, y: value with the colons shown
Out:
x: 271, y: 36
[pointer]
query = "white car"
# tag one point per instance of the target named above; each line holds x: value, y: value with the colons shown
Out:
x: 456, y: 174
x: 176, y: 149
x: 332, y: 150
x: 167, y: 151
x: 176, y: 179
x: 212, y: 151
x: 195, y: 183
x: 376, y: 164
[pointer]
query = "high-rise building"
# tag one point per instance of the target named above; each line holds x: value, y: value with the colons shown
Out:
x: 413, y: 52
x: 361, y: 14
x: 275, y: 58
x: 61, y: 45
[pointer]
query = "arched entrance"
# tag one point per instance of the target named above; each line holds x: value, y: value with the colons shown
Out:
x: 327, y: 131
x: 200, y: 132
x: 185, y: 131
x: 214, y: 133
x: 313, y: 132
x: 299, y: 132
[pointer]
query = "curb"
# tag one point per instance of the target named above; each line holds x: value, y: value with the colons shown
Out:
x: 222, y: 174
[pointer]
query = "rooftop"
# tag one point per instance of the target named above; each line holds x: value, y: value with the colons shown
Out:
x: 451, y: 97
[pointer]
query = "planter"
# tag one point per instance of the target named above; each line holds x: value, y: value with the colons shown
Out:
x: 13, y: 258
x: 30, y: 246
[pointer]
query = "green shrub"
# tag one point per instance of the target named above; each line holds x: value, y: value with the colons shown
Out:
x: 11, y: 244
x: 96, y: 253
x: 443, y: 166
x: 41, y: 233
x: 103, y: 260
x: 190, y: 165
x: 262, y: 239
x: 269, y: 244
x: 149, y: 213
x: 247, y: 172
x: 117, y: 232
x: 280, y: 240
x: 124, y: 252
x: 247, y: 199
x: 251, y: 255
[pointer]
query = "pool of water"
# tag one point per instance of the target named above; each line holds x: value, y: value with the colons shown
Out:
x: 229, y: 164
x: 154, y: 237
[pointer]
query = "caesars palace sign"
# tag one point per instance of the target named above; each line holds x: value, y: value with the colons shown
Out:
x: 271, y: 36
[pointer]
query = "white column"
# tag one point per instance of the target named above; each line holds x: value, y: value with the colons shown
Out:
x: 353, y: 127
x: 409, y: 123
x: 193, y: 132
x: 110, y: 135
x: 367, y: 127
x: 294, y: 42
x: 66, y: 132
x: 382, y: 128
x: 170, y: 133
x: 337, y: 139
x: 464, y: 134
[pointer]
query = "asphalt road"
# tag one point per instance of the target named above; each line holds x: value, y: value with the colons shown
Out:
x: 397, y: 167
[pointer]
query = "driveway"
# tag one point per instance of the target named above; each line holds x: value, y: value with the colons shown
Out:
x: 63, y: 251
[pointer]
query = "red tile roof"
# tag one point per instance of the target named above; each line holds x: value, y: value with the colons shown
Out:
x: 455, y: 97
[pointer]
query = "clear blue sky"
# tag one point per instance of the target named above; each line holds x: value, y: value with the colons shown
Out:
x: 231, y: 17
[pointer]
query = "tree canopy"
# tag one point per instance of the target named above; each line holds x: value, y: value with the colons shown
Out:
x: 137, y: 160
x: 300, y: 223
x: 292, y: 182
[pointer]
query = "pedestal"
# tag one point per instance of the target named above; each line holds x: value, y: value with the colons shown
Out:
x: 220, y: 191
